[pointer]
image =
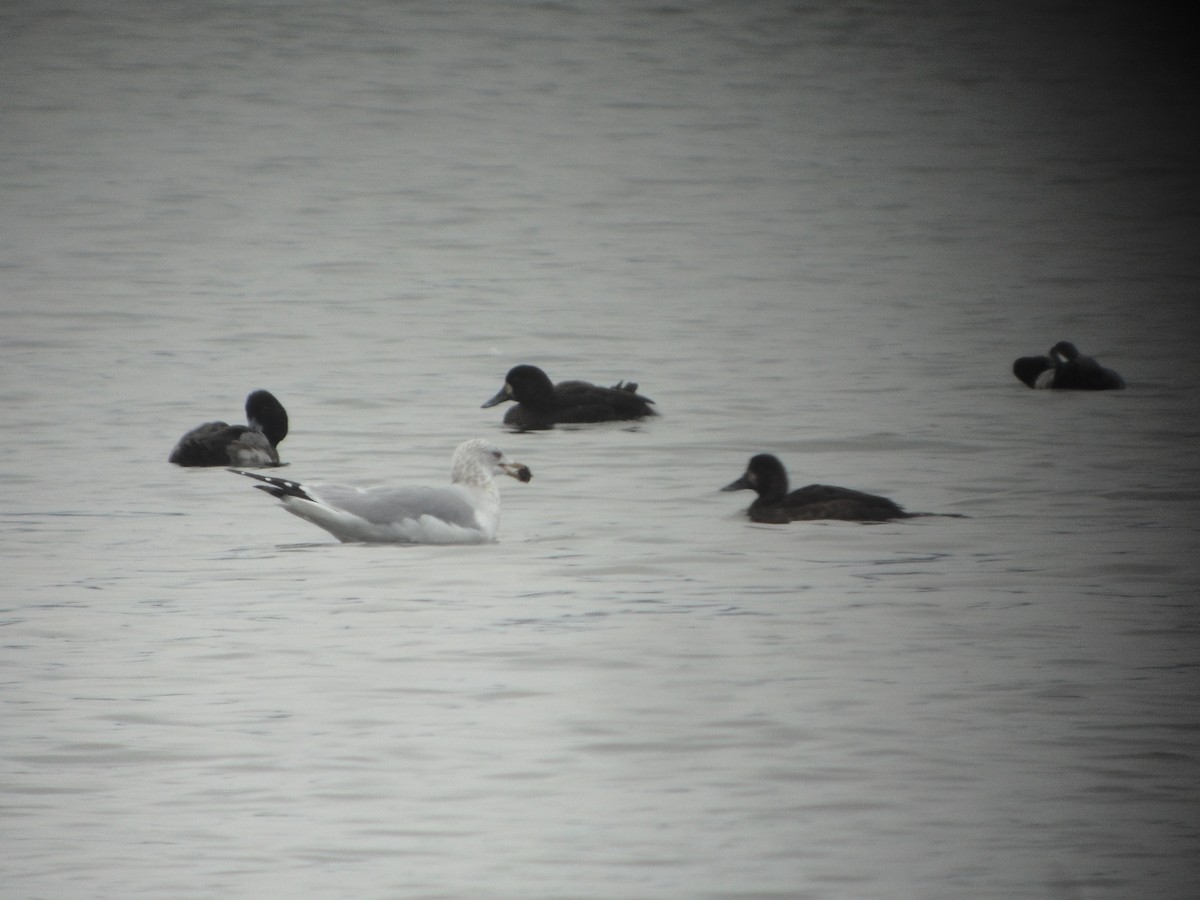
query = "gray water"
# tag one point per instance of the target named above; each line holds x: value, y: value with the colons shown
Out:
x: 818, y: 230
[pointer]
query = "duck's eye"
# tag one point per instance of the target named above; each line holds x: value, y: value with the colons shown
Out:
x: 497, y: 454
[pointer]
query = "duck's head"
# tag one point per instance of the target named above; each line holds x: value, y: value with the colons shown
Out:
x: 525, y: 384
x: 266, y: 414
x: 1064, y: 350
x: 765, y: 475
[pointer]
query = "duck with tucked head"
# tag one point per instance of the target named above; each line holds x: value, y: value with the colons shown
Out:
x: 1066, y: 369
x: 766, y: 476
x: 542, y: 404
x: 222, y: 444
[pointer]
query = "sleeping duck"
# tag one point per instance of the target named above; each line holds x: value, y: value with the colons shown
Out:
x: 222, y: 444
x: 1066, y: 369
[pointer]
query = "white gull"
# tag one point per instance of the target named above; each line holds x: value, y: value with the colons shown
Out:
x: 467, y: 511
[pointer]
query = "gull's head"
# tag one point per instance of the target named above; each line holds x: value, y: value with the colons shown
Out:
x: 482, y: 456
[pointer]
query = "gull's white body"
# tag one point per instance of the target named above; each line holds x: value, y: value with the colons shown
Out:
x: 466, y: 511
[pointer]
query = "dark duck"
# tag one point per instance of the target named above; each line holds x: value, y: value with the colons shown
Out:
x: 542, y: 404
x: 1066, y: 369
x: 766, y: 476
x: 221, y: 444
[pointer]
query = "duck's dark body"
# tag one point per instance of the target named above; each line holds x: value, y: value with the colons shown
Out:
x: 1034, y: 369
x: 766, y: 476
x: 542, y: 404
x: 1066, y: 369
x: 222, y: 444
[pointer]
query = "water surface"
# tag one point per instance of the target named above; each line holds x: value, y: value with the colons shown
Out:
x: 819, y: 232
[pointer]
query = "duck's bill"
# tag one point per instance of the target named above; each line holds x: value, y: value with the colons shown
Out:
x: 501, y: 396
x: 740, y: 485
